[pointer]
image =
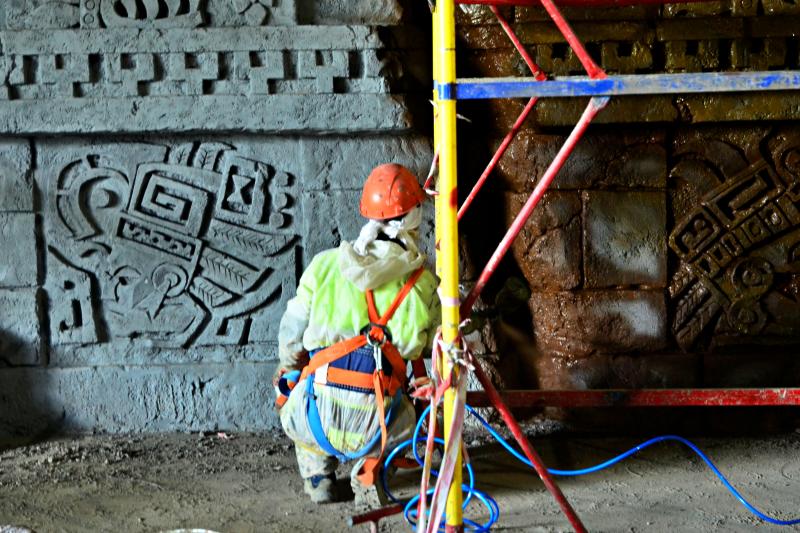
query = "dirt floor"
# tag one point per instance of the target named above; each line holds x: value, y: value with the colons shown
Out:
x: 233, y: 483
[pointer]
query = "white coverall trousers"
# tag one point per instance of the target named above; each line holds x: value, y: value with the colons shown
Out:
x: 341, y: 411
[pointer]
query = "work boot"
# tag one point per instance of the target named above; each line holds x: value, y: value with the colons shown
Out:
x: 321, y: 489
x: 368, y: 496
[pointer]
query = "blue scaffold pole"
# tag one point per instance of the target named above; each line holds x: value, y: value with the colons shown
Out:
x: 623, y: 85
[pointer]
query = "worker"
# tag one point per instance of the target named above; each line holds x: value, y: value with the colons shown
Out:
x: 361, y: 311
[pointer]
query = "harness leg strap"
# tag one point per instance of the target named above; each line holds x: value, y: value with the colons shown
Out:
x: 369, y: 471
x: 368, y: 475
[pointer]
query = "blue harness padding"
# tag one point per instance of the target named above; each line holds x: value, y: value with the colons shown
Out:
x: 312, y: 412
x: 287, y: 379
x: 360, y: 360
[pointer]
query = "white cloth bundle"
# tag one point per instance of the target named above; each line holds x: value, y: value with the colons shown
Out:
x: 395, y: 229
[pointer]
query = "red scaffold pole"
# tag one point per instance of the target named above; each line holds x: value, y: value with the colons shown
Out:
x: 580, y: 3
x: 643, y: 398
x: 594, y: 107
x: 534, y: 68
x: 594, y: 71
x: 375, y: 515
x: 539, y: 76
x: 496, y: 157
x: 527, y: 448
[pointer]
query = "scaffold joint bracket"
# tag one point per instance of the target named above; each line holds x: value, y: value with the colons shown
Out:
x: 445, y: 91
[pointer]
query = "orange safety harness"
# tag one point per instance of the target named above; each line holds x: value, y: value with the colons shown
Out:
x: 376, y: 334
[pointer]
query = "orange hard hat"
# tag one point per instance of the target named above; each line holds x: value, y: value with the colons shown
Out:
x: 390, y: 191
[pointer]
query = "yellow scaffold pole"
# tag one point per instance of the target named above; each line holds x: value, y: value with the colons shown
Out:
x: 435, y: 99
x: 444, y: 39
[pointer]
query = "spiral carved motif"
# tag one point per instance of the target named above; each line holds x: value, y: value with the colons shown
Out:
x: 738, y: 245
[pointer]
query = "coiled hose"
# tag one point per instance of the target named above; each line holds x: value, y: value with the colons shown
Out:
x: 410, y: 511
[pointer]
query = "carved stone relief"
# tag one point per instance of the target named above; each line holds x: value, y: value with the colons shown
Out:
x: 642, y: 44
x: 91, y: 14
x: 172, y: 246
x: 272, y: 79
x: 144, y: 66
x: 188, y: 64
x: 738, y: 243
x: 145, y: 13
x: 63, y: 14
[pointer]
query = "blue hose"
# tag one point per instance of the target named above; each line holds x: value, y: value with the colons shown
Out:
x: 410, y: 510
x: 633, y: 451
x: 491, y: 504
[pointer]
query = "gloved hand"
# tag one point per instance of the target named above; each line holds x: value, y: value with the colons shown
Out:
x: 276, y: 377
x: 301, y: 360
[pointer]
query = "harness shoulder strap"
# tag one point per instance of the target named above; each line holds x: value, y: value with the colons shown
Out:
x: 375, y: 317
x: 344, y: 347
x: 392, y: 354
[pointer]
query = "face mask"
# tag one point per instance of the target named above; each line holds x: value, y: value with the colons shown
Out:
x: 401, y: 229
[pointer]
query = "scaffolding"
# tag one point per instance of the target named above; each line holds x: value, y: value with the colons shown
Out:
x: 600, y: 87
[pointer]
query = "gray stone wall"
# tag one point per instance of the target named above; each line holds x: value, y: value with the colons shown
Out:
x: 167, y: 168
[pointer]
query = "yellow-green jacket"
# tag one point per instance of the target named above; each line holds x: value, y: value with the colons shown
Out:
x: 330, y: 305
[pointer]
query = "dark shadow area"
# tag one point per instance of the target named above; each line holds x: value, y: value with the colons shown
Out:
x: 26, y: 413
x: 408, y: 63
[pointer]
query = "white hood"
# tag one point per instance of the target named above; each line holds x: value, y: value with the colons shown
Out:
x: 369, y: 263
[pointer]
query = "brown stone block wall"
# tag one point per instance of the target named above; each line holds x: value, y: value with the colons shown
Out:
x: 687, y: 276
x: 548, y: 250
x: 576, y: 325
x: 625, y: 160
x: 594, y: 256
x: 624, y: 239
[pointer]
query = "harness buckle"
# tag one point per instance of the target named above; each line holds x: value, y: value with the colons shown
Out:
x: 377, y: 354
x: 367, y: 330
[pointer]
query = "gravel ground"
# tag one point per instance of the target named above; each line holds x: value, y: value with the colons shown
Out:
x: 233, y: 483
